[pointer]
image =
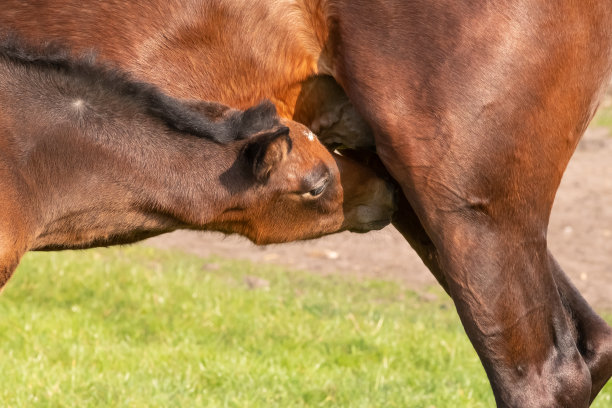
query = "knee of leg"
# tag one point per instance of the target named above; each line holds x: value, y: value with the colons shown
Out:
x: 570, y: 381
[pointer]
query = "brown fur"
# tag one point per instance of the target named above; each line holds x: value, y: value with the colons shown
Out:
x: 475, y: 108
x: 89, y: 157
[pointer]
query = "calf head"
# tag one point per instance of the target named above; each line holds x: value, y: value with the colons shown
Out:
x: 299, y: 190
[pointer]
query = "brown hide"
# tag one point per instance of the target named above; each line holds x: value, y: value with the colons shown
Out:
x: 91, y: 157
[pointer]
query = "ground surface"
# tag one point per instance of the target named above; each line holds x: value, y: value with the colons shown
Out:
x: 580, y: 233
x: 135, y: 327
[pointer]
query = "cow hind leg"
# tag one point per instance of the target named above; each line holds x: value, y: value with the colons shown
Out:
x: 506, y: 297
x: 408, y: 224
x: 478, y: 138
x: 592, y: 335
x: 488, y: 248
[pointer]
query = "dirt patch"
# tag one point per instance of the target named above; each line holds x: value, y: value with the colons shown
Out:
x: 580, y: 235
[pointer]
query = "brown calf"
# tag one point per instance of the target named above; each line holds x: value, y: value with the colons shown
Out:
x: 89, y: 157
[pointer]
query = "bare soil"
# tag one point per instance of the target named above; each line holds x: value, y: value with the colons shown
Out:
x: 580, y: 236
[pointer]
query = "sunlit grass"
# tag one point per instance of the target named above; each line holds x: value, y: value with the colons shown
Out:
x: 603, y: 116
x: 138, y: 327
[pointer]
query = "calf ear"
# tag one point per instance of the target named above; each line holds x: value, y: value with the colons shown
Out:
x: 266, y: 151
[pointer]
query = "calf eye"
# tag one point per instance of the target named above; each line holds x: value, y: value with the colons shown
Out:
x: 317, y: 190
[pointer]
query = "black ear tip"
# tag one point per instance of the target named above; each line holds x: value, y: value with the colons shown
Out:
x: 258, y: 118
x: 267, y: 106
x: 283, y: 130
x: 263, y: 109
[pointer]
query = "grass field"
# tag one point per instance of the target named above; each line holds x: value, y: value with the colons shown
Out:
x: 603, y: 117
x: 136, y: 327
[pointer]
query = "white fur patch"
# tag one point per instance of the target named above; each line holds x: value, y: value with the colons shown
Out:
x: 309, y: 135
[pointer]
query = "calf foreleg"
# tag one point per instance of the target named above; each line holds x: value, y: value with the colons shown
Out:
x: 15, y: 227
x: 12, y: 248
x: 7, y: 267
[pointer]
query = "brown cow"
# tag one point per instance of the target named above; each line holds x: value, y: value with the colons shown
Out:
x: 89, y: 157
x: 475, y: 108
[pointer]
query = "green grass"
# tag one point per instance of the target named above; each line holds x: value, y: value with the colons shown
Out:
x: 136, y: 327
x: 603, y: 117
